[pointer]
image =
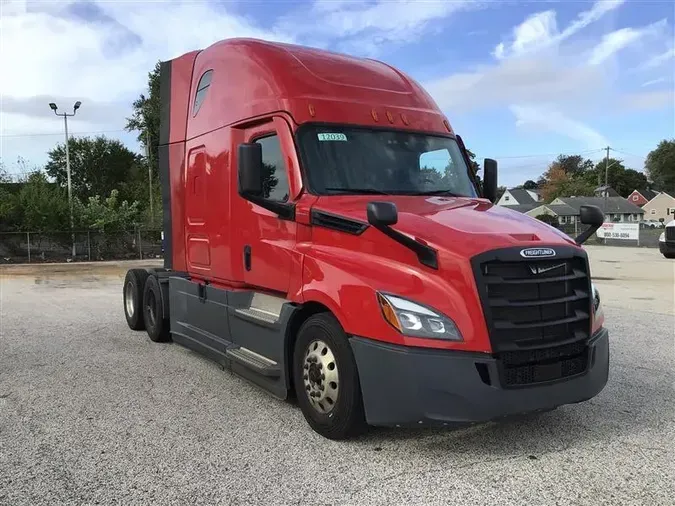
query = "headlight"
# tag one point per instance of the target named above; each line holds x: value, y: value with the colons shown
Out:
x: 662, y: 237
x: 415, y: 320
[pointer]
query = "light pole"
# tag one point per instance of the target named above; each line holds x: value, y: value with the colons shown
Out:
x: 65, y: 115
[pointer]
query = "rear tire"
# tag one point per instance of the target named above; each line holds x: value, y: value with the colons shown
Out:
x: 132, y: 297
x: 326, y: 379
x: 153, y: 312
x: 669, y: 255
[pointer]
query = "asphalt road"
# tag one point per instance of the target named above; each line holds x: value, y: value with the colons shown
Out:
x: 94, y: 413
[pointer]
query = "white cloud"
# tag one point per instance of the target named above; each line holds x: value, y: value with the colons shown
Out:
x: 653, y: 82
x: 616, y: 41
x: 103, y: 61
x: 549, y: 82
x: 659, y: 59
x: 364, y: 27
x: 515, y: 80
x: 552, y: 120
x: 648, y: 100
x: 539, y: 31
x: 611, y: 43
x: 535, y: 32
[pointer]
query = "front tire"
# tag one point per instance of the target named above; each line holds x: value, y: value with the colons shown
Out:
x: 153, y: 312
x: 326, y: 379
x: 132, y: 297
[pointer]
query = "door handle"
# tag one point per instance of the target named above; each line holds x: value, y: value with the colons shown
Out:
x: 247, y: 257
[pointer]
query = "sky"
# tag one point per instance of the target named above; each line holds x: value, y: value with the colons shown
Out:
x: 521, y: 81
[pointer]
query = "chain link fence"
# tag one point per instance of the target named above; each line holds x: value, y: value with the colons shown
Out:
x: 89, y: 246
x: 140, y: 243
x: 649, y: 236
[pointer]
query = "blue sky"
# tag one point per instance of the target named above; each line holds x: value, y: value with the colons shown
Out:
x: 520, y: 81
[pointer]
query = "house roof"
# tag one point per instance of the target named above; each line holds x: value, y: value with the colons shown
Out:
x: 523, y: 208
x: 563, y: 210
x: 522, y: 196
x: 648, y: 194
x: 658, y: 198
x: 614, y: 204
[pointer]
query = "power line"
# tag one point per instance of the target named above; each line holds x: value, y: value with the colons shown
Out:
x: 629, y: 154
x: 544, y: 155
x: 71, y: 134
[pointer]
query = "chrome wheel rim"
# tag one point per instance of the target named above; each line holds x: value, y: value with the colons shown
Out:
x: 320, y: 376
x: 129, y: 299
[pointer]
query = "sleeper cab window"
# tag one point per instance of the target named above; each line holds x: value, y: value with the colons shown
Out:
x: 275, y: 184
x: 202, y: 88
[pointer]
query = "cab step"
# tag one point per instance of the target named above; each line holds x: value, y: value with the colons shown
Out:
x: 254, y: 361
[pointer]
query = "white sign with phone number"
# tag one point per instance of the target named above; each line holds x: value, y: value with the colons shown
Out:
x: 627, y: 231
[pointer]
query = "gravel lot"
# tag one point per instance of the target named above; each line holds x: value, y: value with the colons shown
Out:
x: 93, y: 413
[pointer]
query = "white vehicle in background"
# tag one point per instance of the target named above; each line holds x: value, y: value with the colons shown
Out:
x: 667, y: 240
x: 651, y: 224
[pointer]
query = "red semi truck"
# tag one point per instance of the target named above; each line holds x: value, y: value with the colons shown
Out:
x: 326, y: 237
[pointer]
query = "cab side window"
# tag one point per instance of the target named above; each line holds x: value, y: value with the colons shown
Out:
x: 275, y: 185
x: 202, y: 88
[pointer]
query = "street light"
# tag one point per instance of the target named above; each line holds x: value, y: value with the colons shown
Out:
x: 65, y: 115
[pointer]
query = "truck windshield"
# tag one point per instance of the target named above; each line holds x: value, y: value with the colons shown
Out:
x: 347, y: 160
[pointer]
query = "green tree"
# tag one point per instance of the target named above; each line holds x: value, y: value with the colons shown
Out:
x: 660, y: 166
x: 623, y: 180
x: 40, y: 205
x: 548, y: 219
x: 145, y: 117
x: 98, y: 166
x: 574, y: 165
x: 475, y: 167
x: 530, y: 185
x: 7, y: 201
x: 4, y: 175
x: 107, y: 215
x: 559, y: 183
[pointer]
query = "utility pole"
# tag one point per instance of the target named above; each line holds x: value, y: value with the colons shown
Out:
x: 148, y: 156
x: 606, y: 172
x: 65, y: 115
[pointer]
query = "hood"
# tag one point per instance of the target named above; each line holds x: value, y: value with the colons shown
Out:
x: 464, y: 225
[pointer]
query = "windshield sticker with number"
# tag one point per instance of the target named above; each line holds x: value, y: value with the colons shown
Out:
x: 332, y: 137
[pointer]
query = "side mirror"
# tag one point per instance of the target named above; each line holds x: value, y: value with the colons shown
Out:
x: 490, y: 179
x: 249, y: 169
x: 382, y: 214
x: 589, y: 215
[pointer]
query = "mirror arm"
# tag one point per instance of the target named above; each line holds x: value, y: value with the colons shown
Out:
x: 285, y: 210
x: 583, y: 236
x: 425, y: 254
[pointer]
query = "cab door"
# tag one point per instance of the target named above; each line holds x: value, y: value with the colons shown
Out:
x: 264, y: 241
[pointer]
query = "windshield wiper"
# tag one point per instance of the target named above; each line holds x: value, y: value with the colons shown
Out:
x: 364, y: 191
x: 448, y: 193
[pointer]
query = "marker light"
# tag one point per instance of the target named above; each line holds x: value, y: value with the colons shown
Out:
x: 414, y: 320
x: 598, y: 313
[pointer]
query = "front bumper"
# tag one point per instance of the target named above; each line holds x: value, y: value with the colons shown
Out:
x: 667, y: 247
x: 411, y: 386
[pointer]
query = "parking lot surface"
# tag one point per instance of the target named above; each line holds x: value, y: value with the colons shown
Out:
x: 94, y: 413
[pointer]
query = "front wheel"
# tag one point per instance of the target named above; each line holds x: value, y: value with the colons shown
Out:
x: 326, y: 379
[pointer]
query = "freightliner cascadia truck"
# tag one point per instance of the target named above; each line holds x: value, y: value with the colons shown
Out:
x: 327, y: 238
